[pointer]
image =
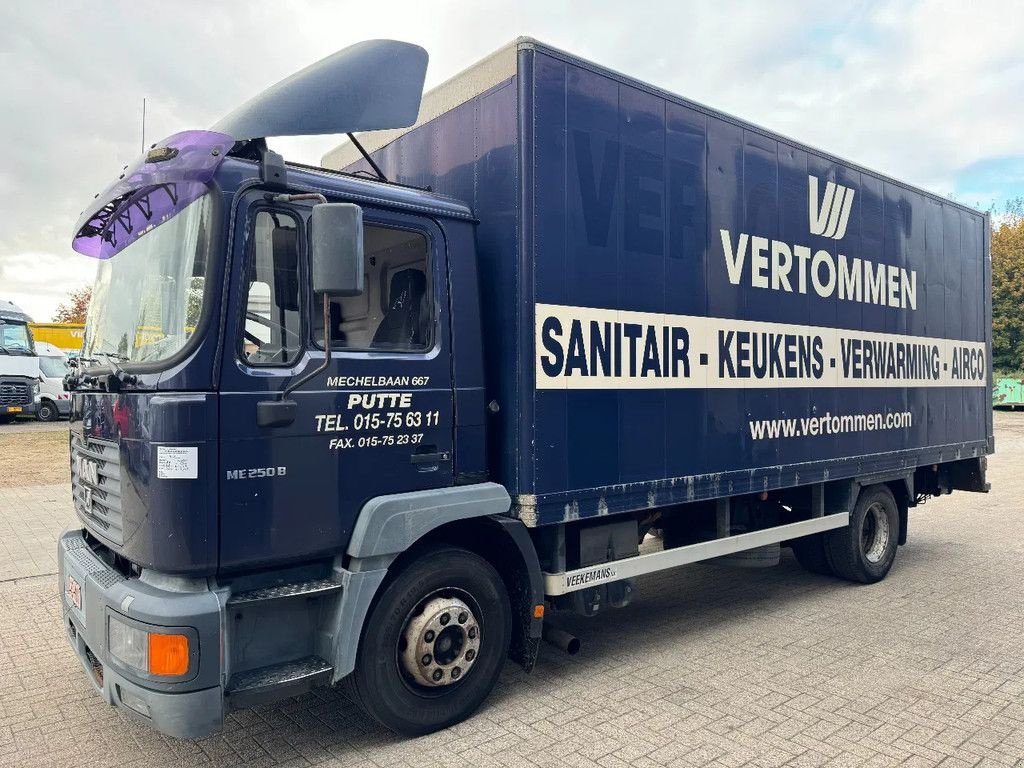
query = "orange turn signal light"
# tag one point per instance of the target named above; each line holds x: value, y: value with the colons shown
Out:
x: 538, y: 611
x: 168, y: 655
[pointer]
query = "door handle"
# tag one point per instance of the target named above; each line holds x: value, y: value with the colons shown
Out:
x: 429, y: 454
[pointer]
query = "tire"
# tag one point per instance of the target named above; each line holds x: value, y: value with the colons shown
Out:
x: 810, y: 553
x: 385, y: 681
x: 865, y: 550
x: 47, y: 411
x: 5, y: 419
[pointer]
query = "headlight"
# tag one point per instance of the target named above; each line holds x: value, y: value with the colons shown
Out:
x: 150, y: 652
x: 128, y: 644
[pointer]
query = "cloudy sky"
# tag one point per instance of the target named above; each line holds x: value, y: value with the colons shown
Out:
x: 929, y: 92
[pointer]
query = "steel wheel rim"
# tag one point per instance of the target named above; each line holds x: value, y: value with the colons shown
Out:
x: 433, y: 664
x: 874, y: 538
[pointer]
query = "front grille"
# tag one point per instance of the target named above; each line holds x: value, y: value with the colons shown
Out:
x: 96, y: 486
x: 14, y: 393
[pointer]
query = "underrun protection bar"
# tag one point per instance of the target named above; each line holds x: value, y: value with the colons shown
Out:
x: 602, y: 573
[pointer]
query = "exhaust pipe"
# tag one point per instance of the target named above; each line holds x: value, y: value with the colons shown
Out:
x: 561, y: 639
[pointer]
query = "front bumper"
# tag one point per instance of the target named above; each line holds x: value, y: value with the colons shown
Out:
x: 28, y: 409
x: 191, y: 706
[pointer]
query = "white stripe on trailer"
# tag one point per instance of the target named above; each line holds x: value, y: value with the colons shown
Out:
x: 602, y: 573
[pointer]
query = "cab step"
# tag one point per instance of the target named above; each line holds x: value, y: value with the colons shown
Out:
x: 277, y: 681
x: 316, y: 588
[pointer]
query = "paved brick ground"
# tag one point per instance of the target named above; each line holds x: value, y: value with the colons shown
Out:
x: 710, y: 666
x: 31, y: 518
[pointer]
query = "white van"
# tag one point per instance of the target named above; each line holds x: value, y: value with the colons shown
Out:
x: 53, y: 401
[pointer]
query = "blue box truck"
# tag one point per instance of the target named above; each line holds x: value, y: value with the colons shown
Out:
x: 546, y: 331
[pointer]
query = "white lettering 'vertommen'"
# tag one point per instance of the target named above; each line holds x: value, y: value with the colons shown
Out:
x: 851, y: 278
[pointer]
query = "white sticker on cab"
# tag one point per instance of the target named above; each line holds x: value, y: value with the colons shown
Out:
x: 175, y: 462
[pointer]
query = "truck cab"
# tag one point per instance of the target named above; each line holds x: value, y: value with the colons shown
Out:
x: 250, y: 433
x: 19, y: 372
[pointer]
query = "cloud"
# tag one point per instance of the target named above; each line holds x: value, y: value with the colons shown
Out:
x: 38, y: 282
x: 986, y: 182
x: 920, y: 90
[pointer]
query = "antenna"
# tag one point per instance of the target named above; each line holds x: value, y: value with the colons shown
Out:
x: 143, y: 123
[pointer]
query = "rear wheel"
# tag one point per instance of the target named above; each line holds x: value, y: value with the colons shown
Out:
x: 47, y: 411
x: 810, y: 553
x: 434, y: 643
x: 865, y: 550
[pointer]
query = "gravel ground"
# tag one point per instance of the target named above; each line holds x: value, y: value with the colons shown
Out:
x: 33, y: 425
x: 34, y: 457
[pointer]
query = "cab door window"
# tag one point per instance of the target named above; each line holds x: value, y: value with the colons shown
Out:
x: 395, y: 312
x: 272, y: 329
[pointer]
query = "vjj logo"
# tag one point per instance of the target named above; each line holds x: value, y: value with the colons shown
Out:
x: 831, y: 217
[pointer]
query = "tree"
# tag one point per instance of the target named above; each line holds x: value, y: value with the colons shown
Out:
x: 75, y: 307
x: 1008, y: 289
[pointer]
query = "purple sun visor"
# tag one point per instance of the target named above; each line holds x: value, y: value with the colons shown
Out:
x: 156, y: 187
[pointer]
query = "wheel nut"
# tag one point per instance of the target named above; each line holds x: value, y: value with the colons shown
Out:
x: 463, y: 617
x: 472, y: 633
x: 445, y: 618
x: 438, y: 674
x: 470, y: 654
x: 429, y: 637
x: 427, y: 658
x: 456, y: 673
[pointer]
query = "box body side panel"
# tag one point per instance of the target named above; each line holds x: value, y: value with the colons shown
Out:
x: 779, y: 268
x: 678, y: 305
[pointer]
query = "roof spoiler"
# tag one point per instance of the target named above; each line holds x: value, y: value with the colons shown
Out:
x: 370, y: 86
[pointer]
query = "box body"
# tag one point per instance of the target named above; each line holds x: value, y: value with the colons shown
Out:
x: 678, y: 305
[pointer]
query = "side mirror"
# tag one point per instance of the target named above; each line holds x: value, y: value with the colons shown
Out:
x: 337, y: 249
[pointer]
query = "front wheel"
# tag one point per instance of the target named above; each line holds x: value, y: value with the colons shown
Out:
x: 47, y: 411
x: 434, y: 643
x: 865, y: 550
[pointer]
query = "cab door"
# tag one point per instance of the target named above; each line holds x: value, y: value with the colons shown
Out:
x: 378, y: 421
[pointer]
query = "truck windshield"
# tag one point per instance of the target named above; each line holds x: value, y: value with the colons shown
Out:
x: 148, y: 297
x: 14, y: 339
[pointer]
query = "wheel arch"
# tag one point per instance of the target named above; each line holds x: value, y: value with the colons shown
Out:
x: 903, y: 491
x: 505, y: 543
x: 392, y: 531
x: 902, y: 488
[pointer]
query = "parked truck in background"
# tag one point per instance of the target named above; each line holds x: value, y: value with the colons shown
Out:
x: 19, y: 368
x: 388, y: 416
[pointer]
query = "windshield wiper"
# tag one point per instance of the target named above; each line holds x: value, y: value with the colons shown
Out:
x: 110, y: 359
x: 114, y: 356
